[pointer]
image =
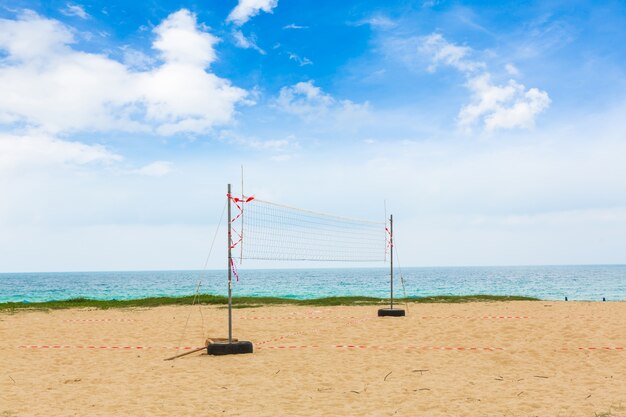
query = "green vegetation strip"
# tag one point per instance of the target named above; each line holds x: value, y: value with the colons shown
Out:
x: 243, y: 302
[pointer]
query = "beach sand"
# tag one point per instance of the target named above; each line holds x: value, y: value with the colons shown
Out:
x: 531, y: 358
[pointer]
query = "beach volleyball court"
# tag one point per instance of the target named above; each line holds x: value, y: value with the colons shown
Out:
x: 512, y: 358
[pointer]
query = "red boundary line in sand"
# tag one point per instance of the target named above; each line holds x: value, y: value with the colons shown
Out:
x: 127, y: 347
x: 595, y: 348
x: 98, y: 320
x: 475, y: 317
x: 260, y: 348
x: 290, y: 347
x: 411, y: 347
x: 297, y: 317
x: 353, y: 317
x: 309, y: 318
x: 418, y: 347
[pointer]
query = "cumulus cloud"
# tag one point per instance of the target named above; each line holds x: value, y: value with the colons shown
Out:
x: 75, y: 10
x: 507, y: 106
x: 306, y: 100
x: 136, y: 60
x: 502, y: 106
x: 49, y: 85
x: 30, y: 37
x: 247, y: 9
x: 180, y: 40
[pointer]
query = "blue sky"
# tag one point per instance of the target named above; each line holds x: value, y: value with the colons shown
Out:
x: 494, y: 131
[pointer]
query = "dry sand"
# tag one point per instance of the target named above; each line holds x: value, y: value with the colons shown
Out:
x: 477, y: 359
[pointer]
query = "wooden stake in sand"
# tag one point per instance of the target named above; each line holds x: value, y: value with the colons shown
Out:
x: 207, y: 343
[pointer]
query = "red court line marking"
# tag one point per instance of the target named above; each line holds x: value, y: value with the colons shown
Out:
x: 290, y: 347
x: 440, y: 348
x: 98, y: 320
x: 298, y: 318
x: 339, y: 346
x: 444, y: 348
x: 599, y: 348
x: 474, y: 317
x: 104, y: 347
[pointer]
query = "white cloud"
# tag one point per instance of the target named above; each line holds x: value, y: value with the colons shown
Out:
x: 507, y: 106
x: 246, y: 9
x: 155, y: 169
x: 512, y: 70
x: 303, y: 99
x: 443, y: 52
x: 377, y: 21
x: 26, y: 151
x: 75, y: 10
x: 246, y: 43
x: 137, y: 60
x: 181, y: 41
x: 302, y: 61
x: 31, y: 37
x: 306, y: 100
x: 51, y: 86
x: 294, y: 26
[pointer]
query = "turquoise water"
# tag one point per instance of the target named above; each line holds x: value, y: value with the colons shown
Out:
x: 546, y: 282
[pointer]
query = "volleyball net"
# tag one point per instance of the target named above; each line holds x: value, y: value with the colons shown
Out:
x: 262, y: 230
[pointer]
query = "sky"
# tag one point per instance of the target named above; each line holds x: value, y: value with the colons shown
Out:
x: 495, y: 132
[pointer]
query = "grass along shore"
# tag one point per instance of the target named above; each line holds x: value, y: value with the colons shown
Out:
x: 246, y: 302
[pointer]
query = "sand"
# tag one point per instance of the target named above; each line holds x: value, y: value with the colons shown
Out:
x: 477, y: 359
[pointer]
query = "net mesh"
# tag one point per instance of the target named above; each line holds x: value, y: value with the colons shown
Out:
x: 271, y: 231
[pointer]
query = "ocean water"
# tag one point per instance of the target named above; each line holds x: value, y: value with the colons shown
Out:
x: 545, y: 282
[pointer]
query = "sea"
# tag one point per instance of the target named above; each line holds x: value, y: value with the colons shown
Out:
x: 589, y: 282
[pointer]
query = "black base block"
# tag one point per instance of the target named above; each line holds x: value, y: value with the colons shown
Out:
x: 233, y: 348
x: 391, y: 312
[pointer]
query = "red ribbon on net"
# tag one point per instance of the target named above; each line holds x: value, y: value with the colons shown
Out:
x: 390, y: 243
x: 238, y: 200
x: 238, y: 240
x: 232, y: 264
